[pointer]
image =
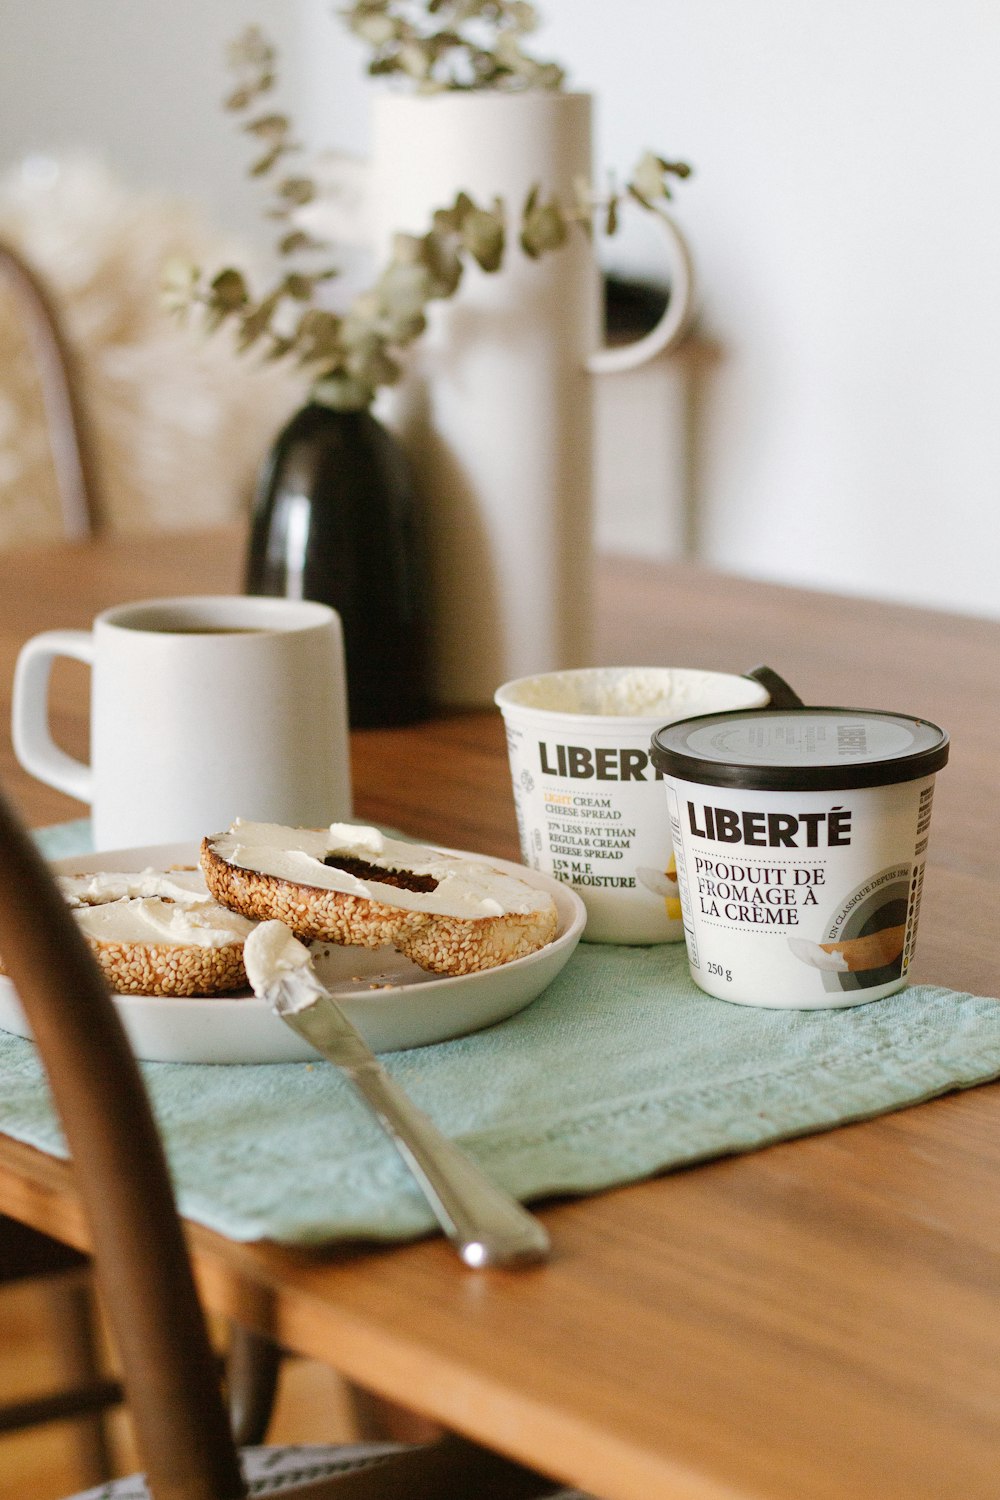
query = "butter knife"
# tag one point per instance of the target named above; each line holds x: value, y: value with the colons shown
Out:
x: 486, y: 1225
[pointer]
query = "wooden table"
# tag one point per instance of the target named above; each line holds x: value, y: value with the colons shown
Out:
x: 817, y: 1321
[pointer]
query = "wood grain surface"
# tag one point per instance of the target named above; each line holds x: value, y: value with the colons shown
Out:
x: 816, y: 1321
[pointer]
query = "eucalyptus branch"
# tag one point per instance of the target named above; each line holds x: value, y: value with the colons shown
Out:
x: 350, y: 354
x: 453, y: 44
x: 253, y: 59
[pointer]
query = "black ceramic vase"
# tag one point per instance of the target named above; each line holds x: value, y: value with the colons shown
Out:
x: 335, y: 521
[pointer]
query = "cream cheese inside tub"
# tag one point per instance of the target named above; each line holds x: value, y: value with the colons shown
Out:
x: 800, y: 837
x: 590, y: 806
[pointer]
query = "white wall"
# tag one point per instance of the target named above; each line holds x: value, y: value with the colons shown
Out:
x: 845, y: 216
x: 140, y: 83
x: 846, y: 221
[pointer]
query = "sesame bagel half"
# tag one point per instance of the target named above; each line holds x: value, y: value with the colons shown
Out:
x: 176, y: 970
x: 351, y: 885
x: 158, y: 932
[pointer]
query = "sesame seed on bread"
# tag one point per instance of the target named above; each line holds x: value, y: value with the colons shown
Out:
x: 385, y: 895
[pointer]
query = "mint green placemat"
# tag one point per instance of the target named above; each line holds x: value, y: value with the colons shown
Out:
x: 63, y: 839
x: 621, y: 1069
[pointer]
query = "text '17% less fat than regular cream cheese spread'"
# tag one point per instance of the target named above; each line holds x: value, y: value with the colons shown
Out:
x: 800, y: 837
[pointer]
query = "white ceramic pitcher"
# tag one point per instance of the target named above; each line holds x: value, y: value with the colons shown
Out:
x: 495, y: 410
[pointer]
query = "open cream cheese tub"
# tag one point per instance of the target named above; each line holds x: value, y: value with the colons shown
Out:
x: 590, y: 806
x: 800, y: 837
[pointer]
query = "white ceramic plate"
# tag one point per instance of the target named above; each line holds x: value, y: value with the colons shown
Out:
x: 392, y: 1002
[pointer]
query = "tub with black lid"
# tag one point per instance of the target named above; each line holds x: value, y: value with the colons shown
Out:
x: 800, y: 836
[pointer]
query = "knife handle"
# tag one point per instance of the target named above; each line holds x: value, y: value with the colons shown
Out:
x: 487, y: 1226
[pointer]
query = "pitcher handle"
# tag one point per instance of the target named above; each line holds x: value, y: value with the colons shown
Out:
x: 676, y: 316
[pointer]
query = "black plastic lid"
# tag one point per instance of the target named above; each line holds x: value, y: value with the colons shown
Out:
x: 800, y: 749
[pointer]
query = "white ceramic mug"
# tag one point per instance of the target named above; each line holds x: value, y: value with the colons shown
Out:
x: 203, y: 709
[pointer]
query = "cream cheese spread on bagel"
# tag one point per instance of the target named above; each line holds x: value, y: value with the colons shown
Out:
x: 350, y: 884
x: 451, y: 886
x: 158, y: 932
x: 152, y: 907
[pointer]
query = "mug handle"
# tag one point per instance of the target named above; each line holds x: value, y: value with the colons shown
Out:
x: 34, y: 746
x: 676, y: 316
x: 782, y: 696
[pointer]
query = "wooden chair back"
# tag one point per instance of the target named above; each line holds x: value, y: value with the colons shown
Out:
x: 121, y: 1173
x: 69, y: 437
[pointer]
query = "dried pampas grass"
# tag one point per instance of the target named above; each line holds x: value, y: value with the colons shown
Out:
x: 178, y: 424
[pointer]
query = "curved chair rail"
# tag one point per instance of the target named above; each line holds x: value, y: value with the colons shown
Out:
x: 68, y: 435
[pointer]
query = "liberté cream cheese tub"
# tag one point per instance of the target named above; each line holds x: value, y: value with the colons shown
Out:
x: 800, y: 837
x: 590, y: 806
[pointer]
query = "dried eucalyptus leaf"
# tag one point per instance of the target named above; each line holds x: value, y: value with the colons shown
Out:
x: 299, y: 287
x: 297, y: 190
x: 648, y: 179
x: 488, y: 72
x: 583, y: 206
x: 550, y: 76
x: 544, y: 229
x: 373, y: 367
x: 483, y: 237
x: 675, y: 168
x: 256, y: 322
x: 279, y: 347
x: 404, y: 287
x: 522, y: 16
x: 240, y: 98
x: 443, y: 262
x: 213, y: 318
x: 317, y: 336
x: 442, y: 42
x: 376, y: 28
x: 416, y: 60
x: 403, y: 330
x: 364, y: 309
x: 507, y: 51
x: 251, y: 49
x: 297, y: 239
x: 446, y: 221
x: 269, y: 127
x: 263, y: 164
x: 228, y: 291
x: 403, y: 294
x: 407, y: 249
x: 358, y: 341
